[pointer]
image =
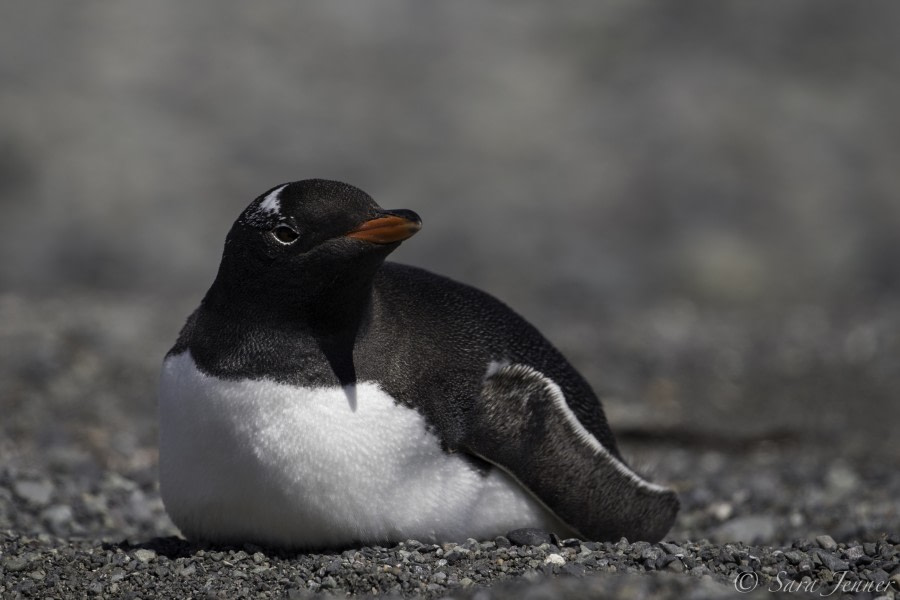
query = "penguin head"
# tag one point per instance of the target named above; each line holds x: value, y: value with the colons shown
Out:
x: 310, y: 240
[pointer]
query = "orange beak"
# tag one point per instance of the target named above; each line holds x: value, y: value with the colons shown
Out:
x: 394, y: 227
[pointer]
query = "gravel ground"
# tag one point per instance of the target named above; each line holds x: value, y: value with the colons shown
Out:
x: 792, y: 497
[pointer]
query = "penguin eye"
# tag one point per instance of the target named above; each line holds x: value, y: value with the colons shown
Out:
x: 285, y: 234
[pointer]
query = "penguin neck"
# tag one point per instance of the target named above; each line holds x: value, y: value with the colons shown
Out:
x: 330, y: 313
x: 324, y: 325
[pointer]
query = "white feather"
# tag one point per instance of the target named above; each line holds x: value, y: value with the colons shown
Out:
x: 260, y: 461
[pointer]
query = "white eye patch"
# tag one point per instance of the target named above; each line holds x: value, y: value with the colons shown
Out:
x: 267, y: 210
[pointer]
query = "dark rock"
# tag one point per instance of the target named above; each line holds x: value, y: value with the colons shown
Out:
x: 528, y: 537
x: 831, y: 561
x: 457, y: 554
x: 333, y: 567
x: 675, y: 565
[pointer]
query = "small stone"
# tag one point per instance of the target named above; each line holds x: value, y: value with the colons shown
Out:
x: 831, y: 561
x: 37, y: 493
x: 58, y: 515
x: 638, y: 548
x: 826, y: 542
x: 465, y: 582
x: 329, y: 583
x: 802, y: 544
x: 841, y: 479
x: 671, y: 548
x: 650, y: 553
x: 187, y: 571
x: 675, y: 566
x: 14, y: 564
x: 726, y: 556
x: 145, y: 555
x: 854, y: 553
x: 554, y: 559
x: 528, y: 537
x: 722, y: 511
x: 502, y: 541
x: 456, y: 554
x: 333, y: 567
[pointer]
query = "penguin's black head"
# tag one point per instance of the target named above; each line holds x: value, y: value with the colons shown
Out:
x: 307, y: 241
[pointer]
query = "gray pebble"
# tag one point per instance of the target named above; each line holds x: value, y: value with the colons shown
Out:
x: 457, y: 554
x: 831, y: 561
x: 15, y: 564
x: 826, y: 542
x: 528, y: 537
x: 37, y: 493
x: 145, y: 555
x: 671, y: 548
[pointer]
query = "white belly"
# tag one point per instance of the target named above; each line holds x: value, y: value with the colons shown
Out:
x: 264, y: 462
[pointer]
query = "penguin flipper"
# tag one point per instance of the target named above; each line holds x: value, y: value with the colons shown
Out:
x: 522, y: 424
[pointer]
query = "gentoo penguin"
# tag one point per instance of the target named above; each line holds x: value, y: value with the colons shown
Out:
x: 321, y: 397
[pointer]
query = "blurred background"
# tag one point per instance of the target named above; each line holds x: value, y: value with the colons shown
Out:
x: 697, y: 202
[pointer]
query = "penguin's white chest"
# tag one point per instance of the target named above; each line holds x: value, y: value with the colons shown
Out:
x: 259, y: 461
